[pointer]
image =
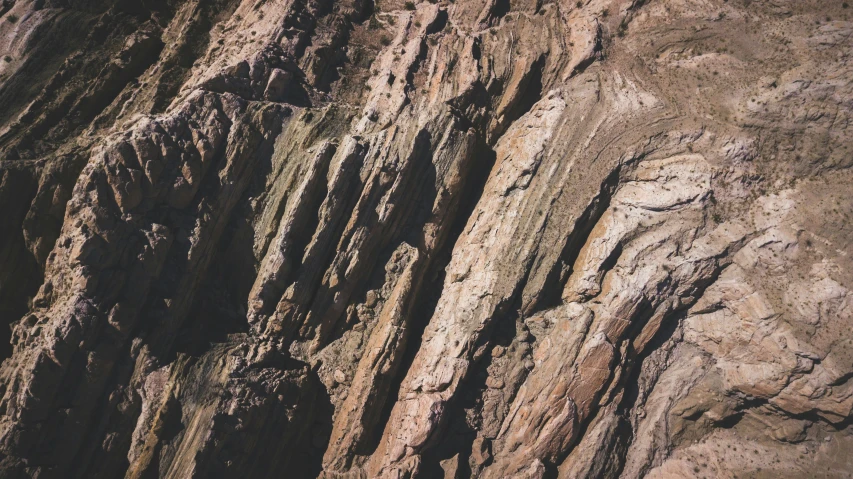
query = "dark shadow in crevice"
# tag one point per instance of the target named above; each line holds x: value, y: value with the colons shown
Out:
x: 456, y: 436
x: 483, y: 161
x: 142, y: 9
x: 369, y: 235
x: 646, y: 311
x: 729, y: 422
x: 20, y: 274
x: 630, y: 384
x: 297, y: 94
x: 610, y: 261
x: 531, y: 86
x: 497, y: 9
x: 623, y: 436
x: 439, y: 23
x: 305, y: 456
x: 446, y: 443
x: 302, y: 237
x: 368, y: 9
x: 812, y: 417
x: 551, y: 293
x: 217, y: 309
x: 500, y: 9
x: 177, y: 66
x: 407, y: 226
x: 423, y: 311
x: 665, y: 333
x: 216, y: 314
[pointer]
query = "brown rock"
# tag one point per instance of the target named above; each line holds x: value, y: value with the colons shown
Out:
x: 391, y: 239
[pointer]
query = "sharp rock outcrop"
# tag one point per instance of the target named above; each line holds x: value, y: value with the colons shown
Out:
x: 386, y: 239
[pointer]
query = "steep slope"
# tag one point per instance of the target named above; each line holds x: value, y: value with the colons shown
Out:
x: 485, y: 238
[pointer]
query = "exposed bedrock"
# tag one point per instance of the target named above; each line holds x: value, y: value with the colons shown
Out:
x: 386, y: 239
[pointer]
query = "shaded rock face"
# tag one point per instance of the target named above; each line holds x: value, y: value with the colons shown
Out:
x: 485, y: 238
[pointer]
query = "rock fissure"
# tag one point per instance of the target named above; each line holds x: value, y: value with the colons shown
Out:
x: 490, y: 238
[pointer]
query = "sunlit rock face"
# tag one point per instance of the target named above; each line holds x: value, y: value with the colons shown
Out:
x: 386, y: 239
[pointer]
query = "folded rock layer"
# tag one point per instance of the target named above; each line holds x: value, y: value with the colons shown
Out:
x: 386, y: 239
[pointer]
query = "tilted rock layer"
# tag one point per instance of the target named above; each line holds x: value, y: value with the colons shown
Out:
x: 386, y: 239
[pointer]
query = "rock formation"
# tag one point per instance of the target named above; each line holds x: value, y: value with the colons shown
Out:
x: 386, y: 239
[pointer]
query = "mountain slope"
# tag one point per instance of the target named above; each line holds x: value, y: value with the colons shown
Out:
x: 502, y: 238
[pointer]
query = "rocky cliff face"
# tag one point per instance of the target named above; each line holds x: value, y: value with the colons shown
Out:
x: 386, y: 239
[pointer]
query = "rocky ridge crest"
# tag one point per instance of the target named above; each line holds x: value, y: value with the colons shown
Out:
x: 486, y: 238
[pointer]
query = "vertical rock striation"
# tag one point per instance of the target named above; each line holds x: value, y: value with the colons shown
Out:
x: 385, y: 239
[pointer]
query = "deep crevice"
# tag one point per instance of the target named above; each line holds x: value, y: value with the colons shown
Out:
x: 497, y: 10
x: 483, y: 160
x: 177, y: 66
x: 551, y: 294
x: 501, y: 8
x: 20, y: 274
x: 532, y: 87
x: 456, y: 433
x: 306, y: 219
x: 501, y: 330
x: 630, y: 384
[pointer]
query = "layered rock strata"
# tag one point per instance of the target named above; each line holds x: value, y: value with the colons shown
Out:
x: 385, y: 239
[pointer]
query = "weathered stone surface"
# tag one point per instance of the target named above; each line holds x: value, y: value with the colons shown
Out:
x: 486, y: 238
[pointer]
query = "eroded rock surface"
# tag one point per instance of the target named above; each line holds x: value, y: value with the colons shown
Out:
x: 386, y: 239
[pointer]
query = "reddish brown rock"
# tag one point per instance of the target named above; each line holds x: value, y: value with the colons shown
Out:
x: 607, y: 238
